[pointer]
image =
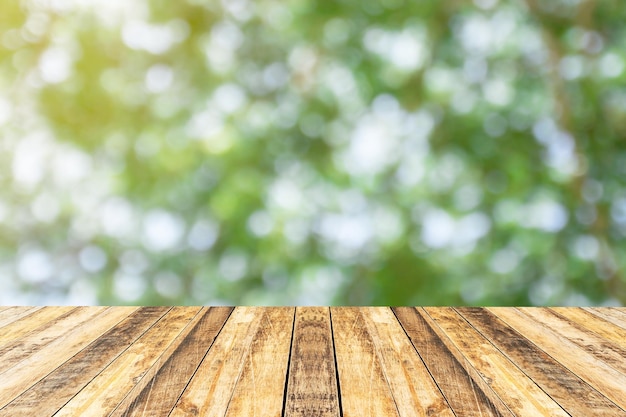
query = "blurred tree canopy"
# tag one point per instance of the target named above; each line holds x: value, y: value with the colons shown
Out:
x: 312, y: 152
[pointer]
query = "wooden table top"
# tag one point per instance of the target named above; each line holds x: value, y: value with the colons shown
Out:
x: 310, y: 361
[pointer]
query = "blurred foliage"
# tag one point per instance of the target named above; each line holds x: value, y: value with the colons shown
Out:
x: 300, y: 152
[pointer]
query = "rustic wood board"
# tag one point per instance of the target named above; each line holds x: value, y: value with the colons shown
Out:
x: 312, y: 361
x: 261, y: 386
x: 128, y: 368
x: 167, y: 379
x: 29, y: 370
x: 11, y: 314
x: 364, y: 387
x: 598, y: 374
x: 459, y: 386
x: 58, y: 387
x: 31, y: 322
x: 312, y: 384
x: 211, y: 387
x: 565, y: 387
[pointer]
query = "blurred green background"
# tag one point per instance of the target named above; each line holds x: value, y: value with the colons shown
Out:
x: 313, y: 152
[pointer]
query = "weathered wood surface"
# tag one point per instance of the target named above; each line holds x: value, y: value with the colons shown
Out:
x: 312, y: 361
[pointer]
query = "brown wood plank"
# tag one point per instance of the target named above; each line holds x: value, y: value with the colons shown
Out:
x: 157, y: 392
x: 454, y: 382
x: 15, y: 352
x: 312, y: 361
x: 601, y: 376
x: 312, y: 384
x: 520, y: 394
x: 596, y: 324
x: 620, y: 310
x: 611, y: 354
x: 412, y: 386
x: 566, y: 388
x: 614, y: 316
x: 108, y: 388
x: 58, y: 387
x: 11, y: 314
x: 475, y: 374
x: 32, y: 369
x: 261, y: 386
x: 211, y: 388
x: 364, y: 388
x: 31, y: 322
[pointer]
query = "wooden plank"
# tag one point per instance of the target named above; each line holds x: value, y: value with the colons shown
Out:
x: 312, y: 383
x: 15, y: 352
x: 596, y: 373
x: 32, y: 369
x: 412, y: 386
x: 594, y: 323
x: 566, y: 388
x: 31, y: 322
x: 364, y: 388
x: 475, y: 375
x: 611, y: 354
x: 616, y: 310
x: 125, y: 361
x: 11, y: 314
x: 261, y: 386
x: 108, y: 389
x: 520, y: 394
x: 454, y: 382
x: 211, y: 388
x: 157, y: 392
x: 610, y: 315
x: 58, y: 387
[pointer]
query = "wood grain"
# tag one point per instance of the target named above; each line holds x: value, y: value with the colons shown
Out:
x: 31, y: 322
x: 614, y: 316
x: 365, y: 390
x: 566, y: 388
x: 261, y: 386
x: 596, y: 373
x: 211, y: 388
x: 12, y: 314
x: 33, y: 368
x: 403, y: 368
x: 475, y: 374
x: 312, y: 385
x: 455, y: 383
x: 596, y: 324
x: 58, y: 387
x: 520, y: 394
x: 312, y: 361
x: 99, y: 397
x: 159, y: 390
x: 14, y: 352
x: 602, y: 349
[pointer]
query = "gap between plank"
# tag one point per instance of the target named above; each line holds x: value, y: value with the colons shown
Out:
x: 158, y: 359
x: 476, y: 372
x: 377, y: 354
x: 112, y: 360
x: 511, y: 360
x: 332, y: 335
x: 70, y: 358
x: 203, y: 358
x: 424, y: 362
x: 293, y: 331
x: 554, y: 358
